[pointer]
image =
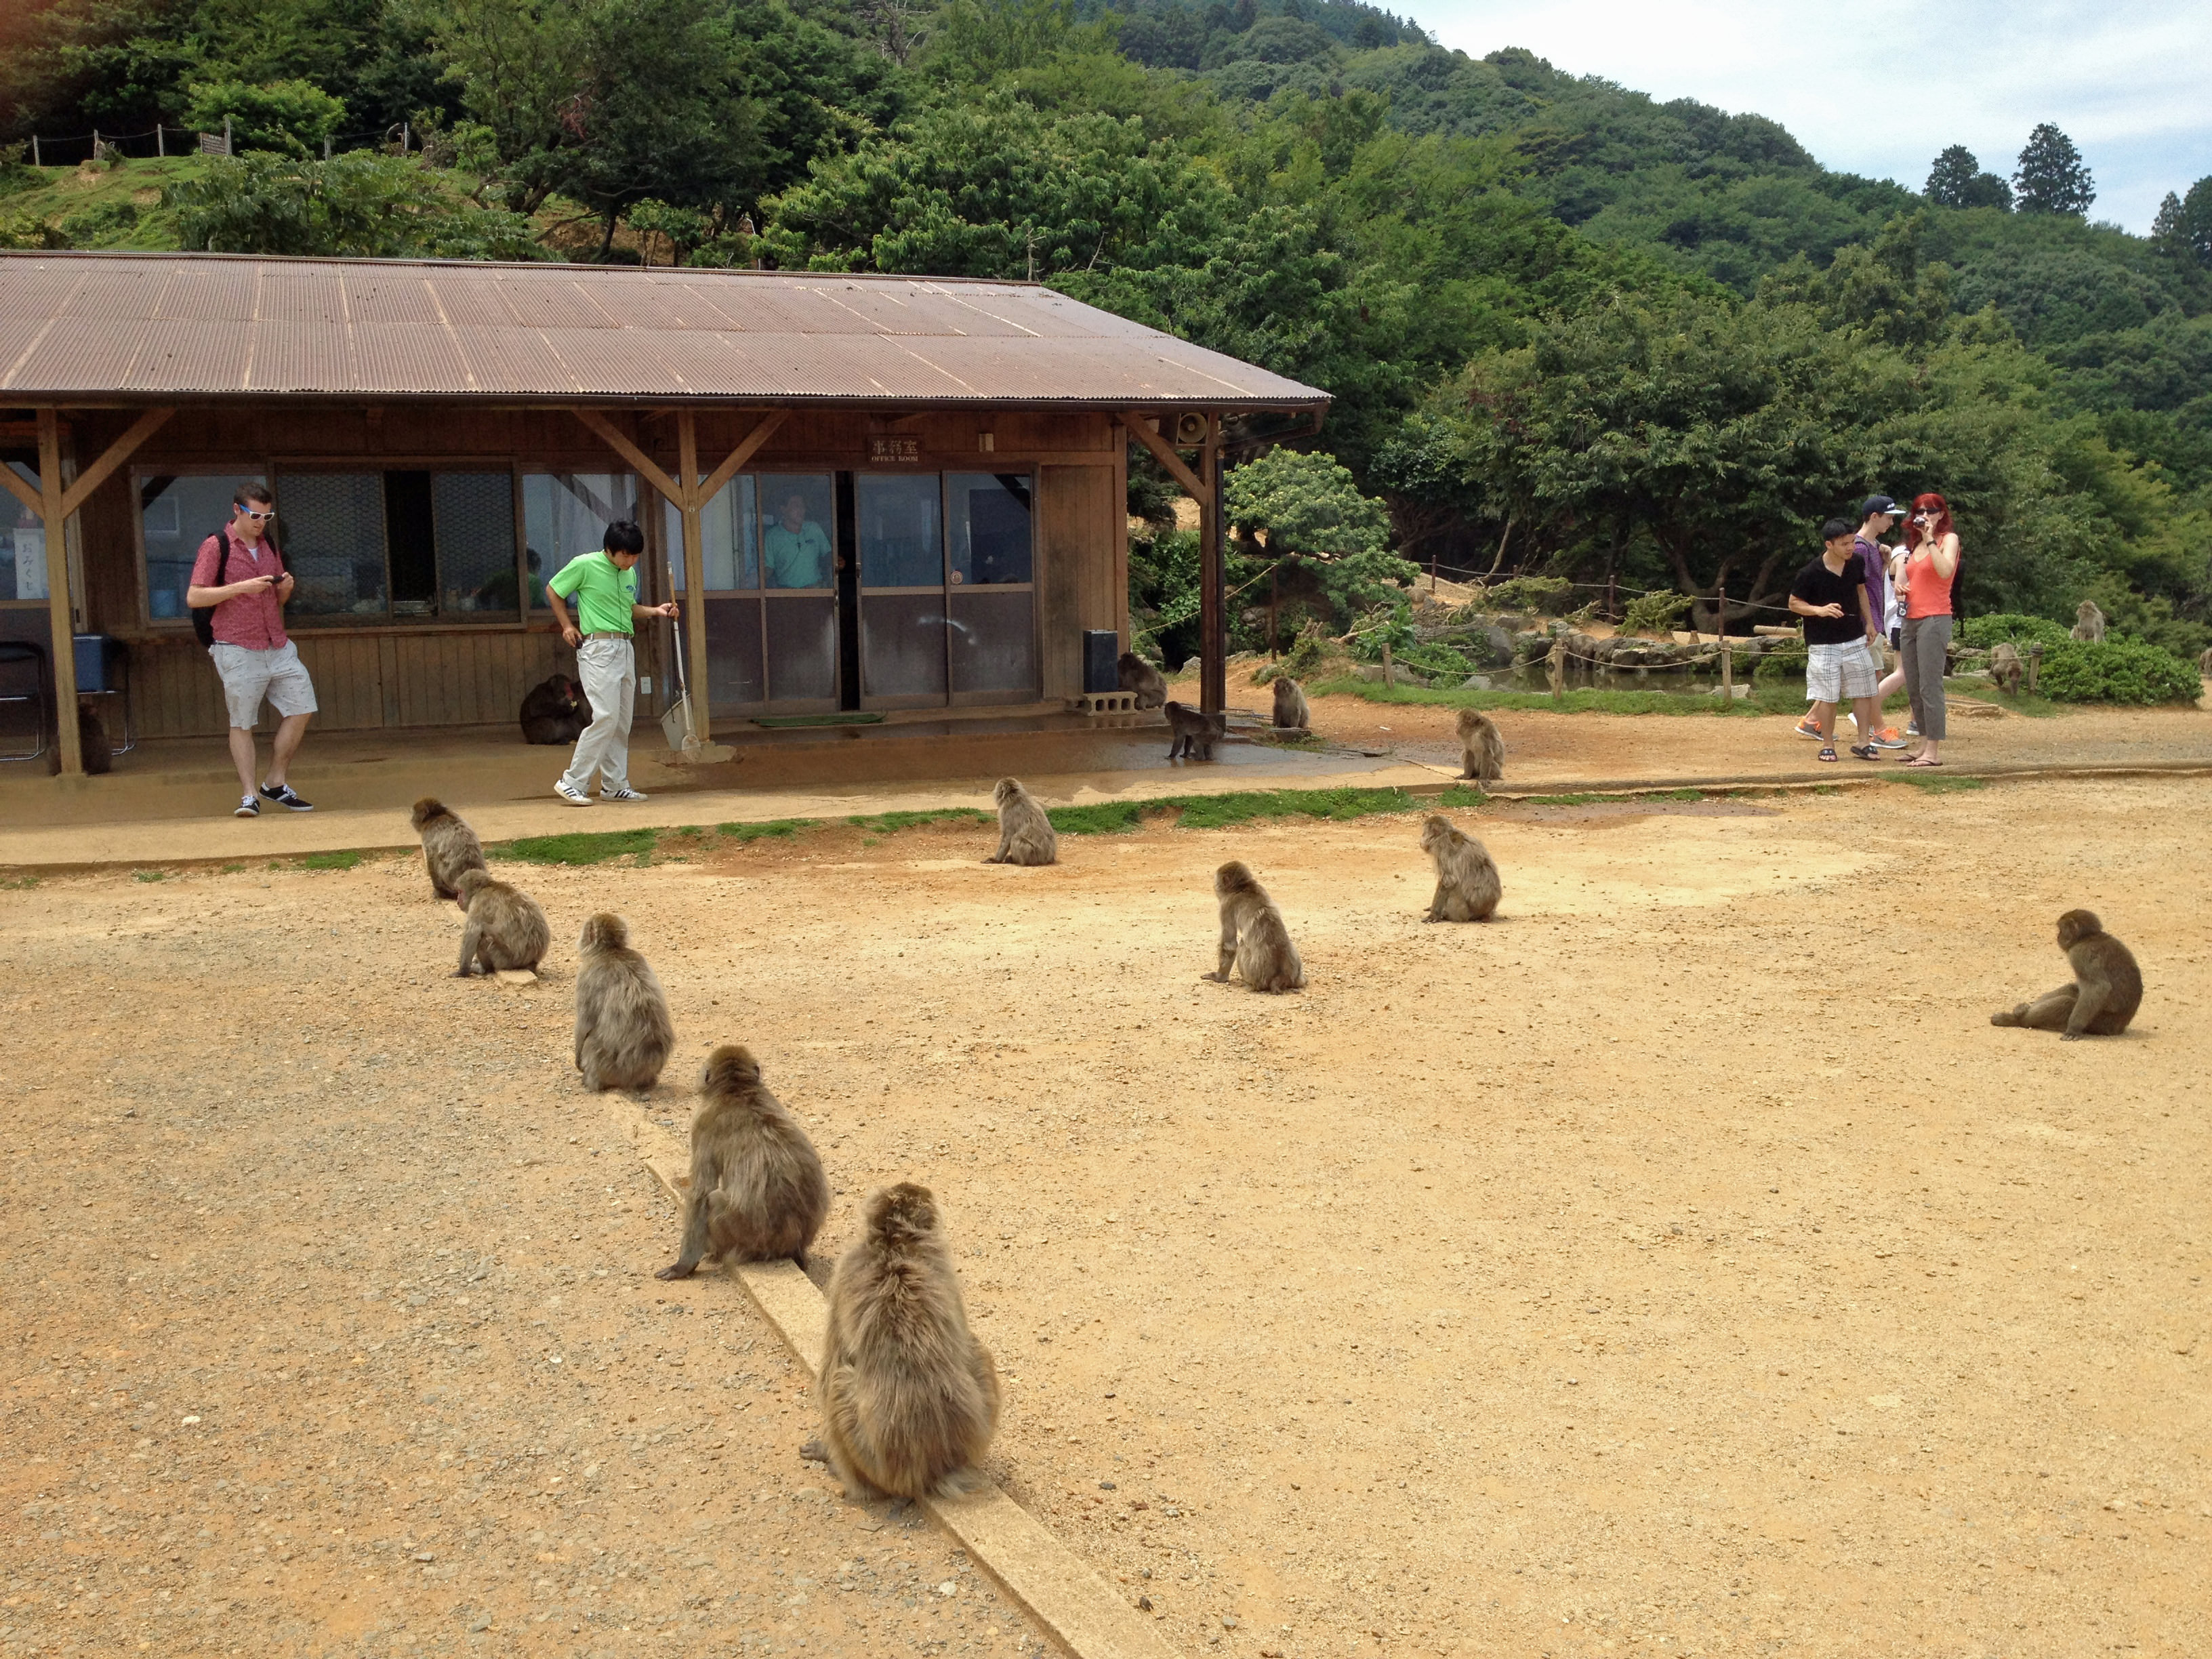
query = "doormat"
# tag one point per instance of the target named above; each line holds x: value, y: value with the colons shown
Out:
x: 850, y: 717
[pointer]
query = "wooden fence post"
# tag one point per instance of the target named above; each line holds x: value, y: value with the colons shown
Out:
x: 1555, y: 669
x: 2034, y: 666
x: 1727, y: 661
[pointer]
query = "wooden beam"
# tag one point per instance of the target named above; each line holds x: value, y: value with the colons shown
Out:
x: 118, y: 453
x: 737, y: 458
x: 630, y: 453
x: 22, y: 492
x: 1165, y: 456
x: 1212, y: 584
x: 694, y: 620
x: 58, y: 593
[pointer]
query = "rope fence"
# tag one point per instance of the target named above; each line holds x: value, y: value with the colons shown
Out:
x: 162, y: 141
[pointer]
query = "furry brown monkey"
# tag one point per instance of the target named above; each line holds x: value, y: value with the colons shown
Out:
x: 2006, y: 667
x: 554, y: 711
x: 1025, y: 833
x: 1135, y: 674
x: 2088, y: 622
x: 1468, y: 887
x: 2106, y: 991
x: 757, y: 1192
x: 622, y: 1030
x: 1291, y: 710
x: 2204, y: 662
x: 909, y: 1397
x: 1481, y: 750
x: 505, y: 929
x: 91, y: 742
x: 449, y: 846
x: 1191, y: 734
x: 1254, y: 940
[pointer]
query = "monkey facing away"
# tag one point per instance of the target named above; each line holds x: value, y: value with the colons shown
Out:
x: 2006, y: 667
x: 2106, y: 991
x: 757, y: 1191
x: 1468, y: 887
x: 1025, y: 833
x: 622, y: 1030
x: 505, y: 930
x: 1135, y: 674
x: 1191, y: 734
x: 2088, y: 622
x: 449, y: 846
x: 1291, y: 710
x: 1254, y: 940
x: 554, y: 711
x: 1480, y: 747
x: 91, y: 744
x: 909, y: 1397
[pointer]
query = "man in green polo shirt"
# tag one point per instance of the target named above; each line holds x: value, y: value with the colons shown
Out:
x: 604, y: 585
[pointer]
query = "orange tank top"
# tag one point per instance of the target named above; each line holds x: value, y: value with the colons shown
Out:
x: 1926, y: 594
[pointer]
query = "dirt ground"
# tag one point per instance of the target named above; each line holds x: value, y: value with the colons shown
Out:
x: 1679, y: 1264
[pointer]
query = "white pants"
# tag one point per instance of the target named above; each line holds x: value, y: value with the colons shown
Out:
x: 608, y: 668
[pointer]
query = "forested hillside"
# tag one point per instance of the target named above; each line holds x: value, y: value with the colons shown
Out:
x: 1571, y: 330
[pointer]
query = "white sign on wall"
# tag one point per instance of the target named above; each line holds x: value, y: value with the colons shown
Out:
x: 30, y: 562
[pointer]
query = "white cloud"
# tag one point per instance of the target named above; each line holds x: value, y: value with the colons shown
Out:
x: 1878, y: 87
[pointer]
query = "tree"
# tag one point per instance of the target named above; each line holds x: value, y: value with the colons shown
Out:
x: 2184, y: 225
x: 293, y: 116
x: 2052, y: 177
x: 360, y: 205
x: 1957, y: 180
x: 1315, y: 520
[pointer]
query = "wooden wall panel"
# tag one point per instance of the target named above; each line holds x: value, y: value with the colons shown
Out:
x: 1078, y: 521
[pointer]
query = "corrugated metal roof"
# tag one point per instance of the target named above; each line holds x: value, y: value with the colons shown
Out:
x: 78, y: 326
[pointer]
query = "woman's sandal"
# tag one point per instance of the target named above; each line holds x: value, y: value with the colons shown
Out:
x: 1865, y: 751
x: 1921, y: 761
x: 1828, y: 751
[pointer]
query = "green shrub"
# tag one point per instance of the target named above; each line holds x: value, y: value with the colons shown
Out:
x: 2118, y: 671
x: 1983, y: 632
x: 98, y: 225
x: 1544, y: 595
x: 1436, y: 659
x: 25, y: 230
x: 1775, y: 667
x: 1656, y: 615
x: 355, y: 205
x: 291, y: 115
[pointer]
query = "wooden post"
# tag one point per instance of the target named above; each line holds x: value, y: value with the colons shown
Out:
x: 2034, y: 666
x: 695, y: 576
x: 1728, y: 662
x: 1387, y: 682
x: 1212, y: 602
x: 161, y: 141
x: 1555, y: 669
x: 58, y: 593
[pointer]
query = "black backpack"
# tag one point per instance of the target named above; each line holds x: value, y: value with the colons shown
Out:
x: 204, y: 615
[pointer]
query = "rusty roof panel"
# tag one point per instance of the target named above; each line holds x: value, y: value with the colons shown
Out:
x: 151, y: 324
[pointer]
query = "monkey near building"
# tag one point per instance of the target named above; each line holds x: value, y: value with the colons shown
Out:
x: 1291, y: 710
x: 554, y: 711
x: 909, y: 1397
x: 2088, y: 622
x: 505, y: 930
x: 1025, y: 833
x: 1135, y: 674
x: 2106, y: 991
x: 1254, y: 940
x: 1468, y: 887
x: 1191, y: 734
x: 449, y: 846
x: 2006, y: 667
x: 757, y: 1192
x: 1481, y: 749
x: 622, y: 1030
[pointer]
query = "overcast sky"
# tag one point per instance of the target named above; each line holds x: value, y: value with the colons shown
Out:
x: 1878, y: 87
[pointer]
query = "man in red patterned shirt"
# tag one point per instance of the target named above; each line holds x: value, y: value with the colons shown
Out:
x: 251, y: 651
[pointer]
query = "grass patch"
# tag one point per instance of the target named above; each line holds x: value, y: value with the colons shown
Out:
x: 1771, y: 699
x: 883, y: 824
x: 18, y: 884
x: 1934, y: 782
x: 582, y: 848
x: 774, y: 830
x: 234, y: 869
x: 149, y: 875
x: 342, y: 860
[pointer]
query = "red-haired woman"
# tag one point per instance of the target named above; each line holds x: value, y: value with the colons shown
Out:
x: 1930, y: 570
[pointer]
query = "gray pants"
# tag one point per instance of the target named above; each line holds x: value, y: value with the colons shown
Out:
x: 1926, y: 640
x: 608, y: 669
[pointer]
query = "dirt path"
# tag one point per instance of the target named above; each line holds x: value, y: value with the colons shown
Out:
x: 1680, y: 1264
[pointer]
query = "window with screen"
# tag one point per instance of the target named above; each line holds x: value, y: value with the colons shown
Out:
x: 176, y: 513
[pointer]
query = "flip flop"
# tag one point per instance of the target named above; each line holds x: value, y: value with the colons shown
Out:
x: 1917, y: 761
x: 1828, y: 753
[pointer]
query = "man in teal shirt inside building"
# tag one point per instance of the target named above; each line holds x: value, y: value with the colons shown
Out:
x: 604, y: 585
x: 796, y: 548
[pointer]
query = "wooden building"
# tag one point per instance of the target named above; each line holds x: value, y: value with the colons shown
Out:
x: 892, y: 492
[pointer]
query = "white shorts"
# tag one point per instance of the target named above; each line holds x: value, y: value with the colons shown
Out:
x: 248, y: 675
x: 1835, y: 672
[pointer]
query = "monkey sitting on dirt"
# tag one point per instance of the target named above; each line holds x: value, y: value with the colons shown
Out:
x: 449, y: 846
x: 1254, y: 940
x: 1481, y: 748
x: 1025, y: 833
x: 1290, y: 711
x: 1134, y: 673
x: 1468, y: 887
x: 757, y: 1191
x: 623, y: 1035
x: 2006, y: 667
x: 505, y: 929
x: 1191, y: 734
x: 2106, y: 991
x: 554, y: 711
x: 909, y: 1397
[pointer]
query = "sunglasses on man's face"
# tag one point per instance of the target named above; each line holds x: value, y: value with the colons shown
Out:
x: 248, y: 513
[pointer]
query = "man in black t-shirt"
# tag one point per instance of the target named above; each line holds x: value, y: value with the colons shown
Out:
x: 1840, y: 629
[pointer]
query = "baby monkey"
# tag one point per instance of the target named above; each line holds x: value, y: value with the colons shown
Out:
x: 1254, y: 940
x: 2106, y: 991
x: 757, y: 1191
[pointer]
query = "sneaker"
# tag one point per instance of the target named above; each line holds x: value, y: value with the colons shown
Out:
x: 247, y: 808
x: 625, y: 793
x: 283, y: 795
x: 1807, y: 728
x: 1913, y: 730
x: 574, y: 796
x: 1888, y: 737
